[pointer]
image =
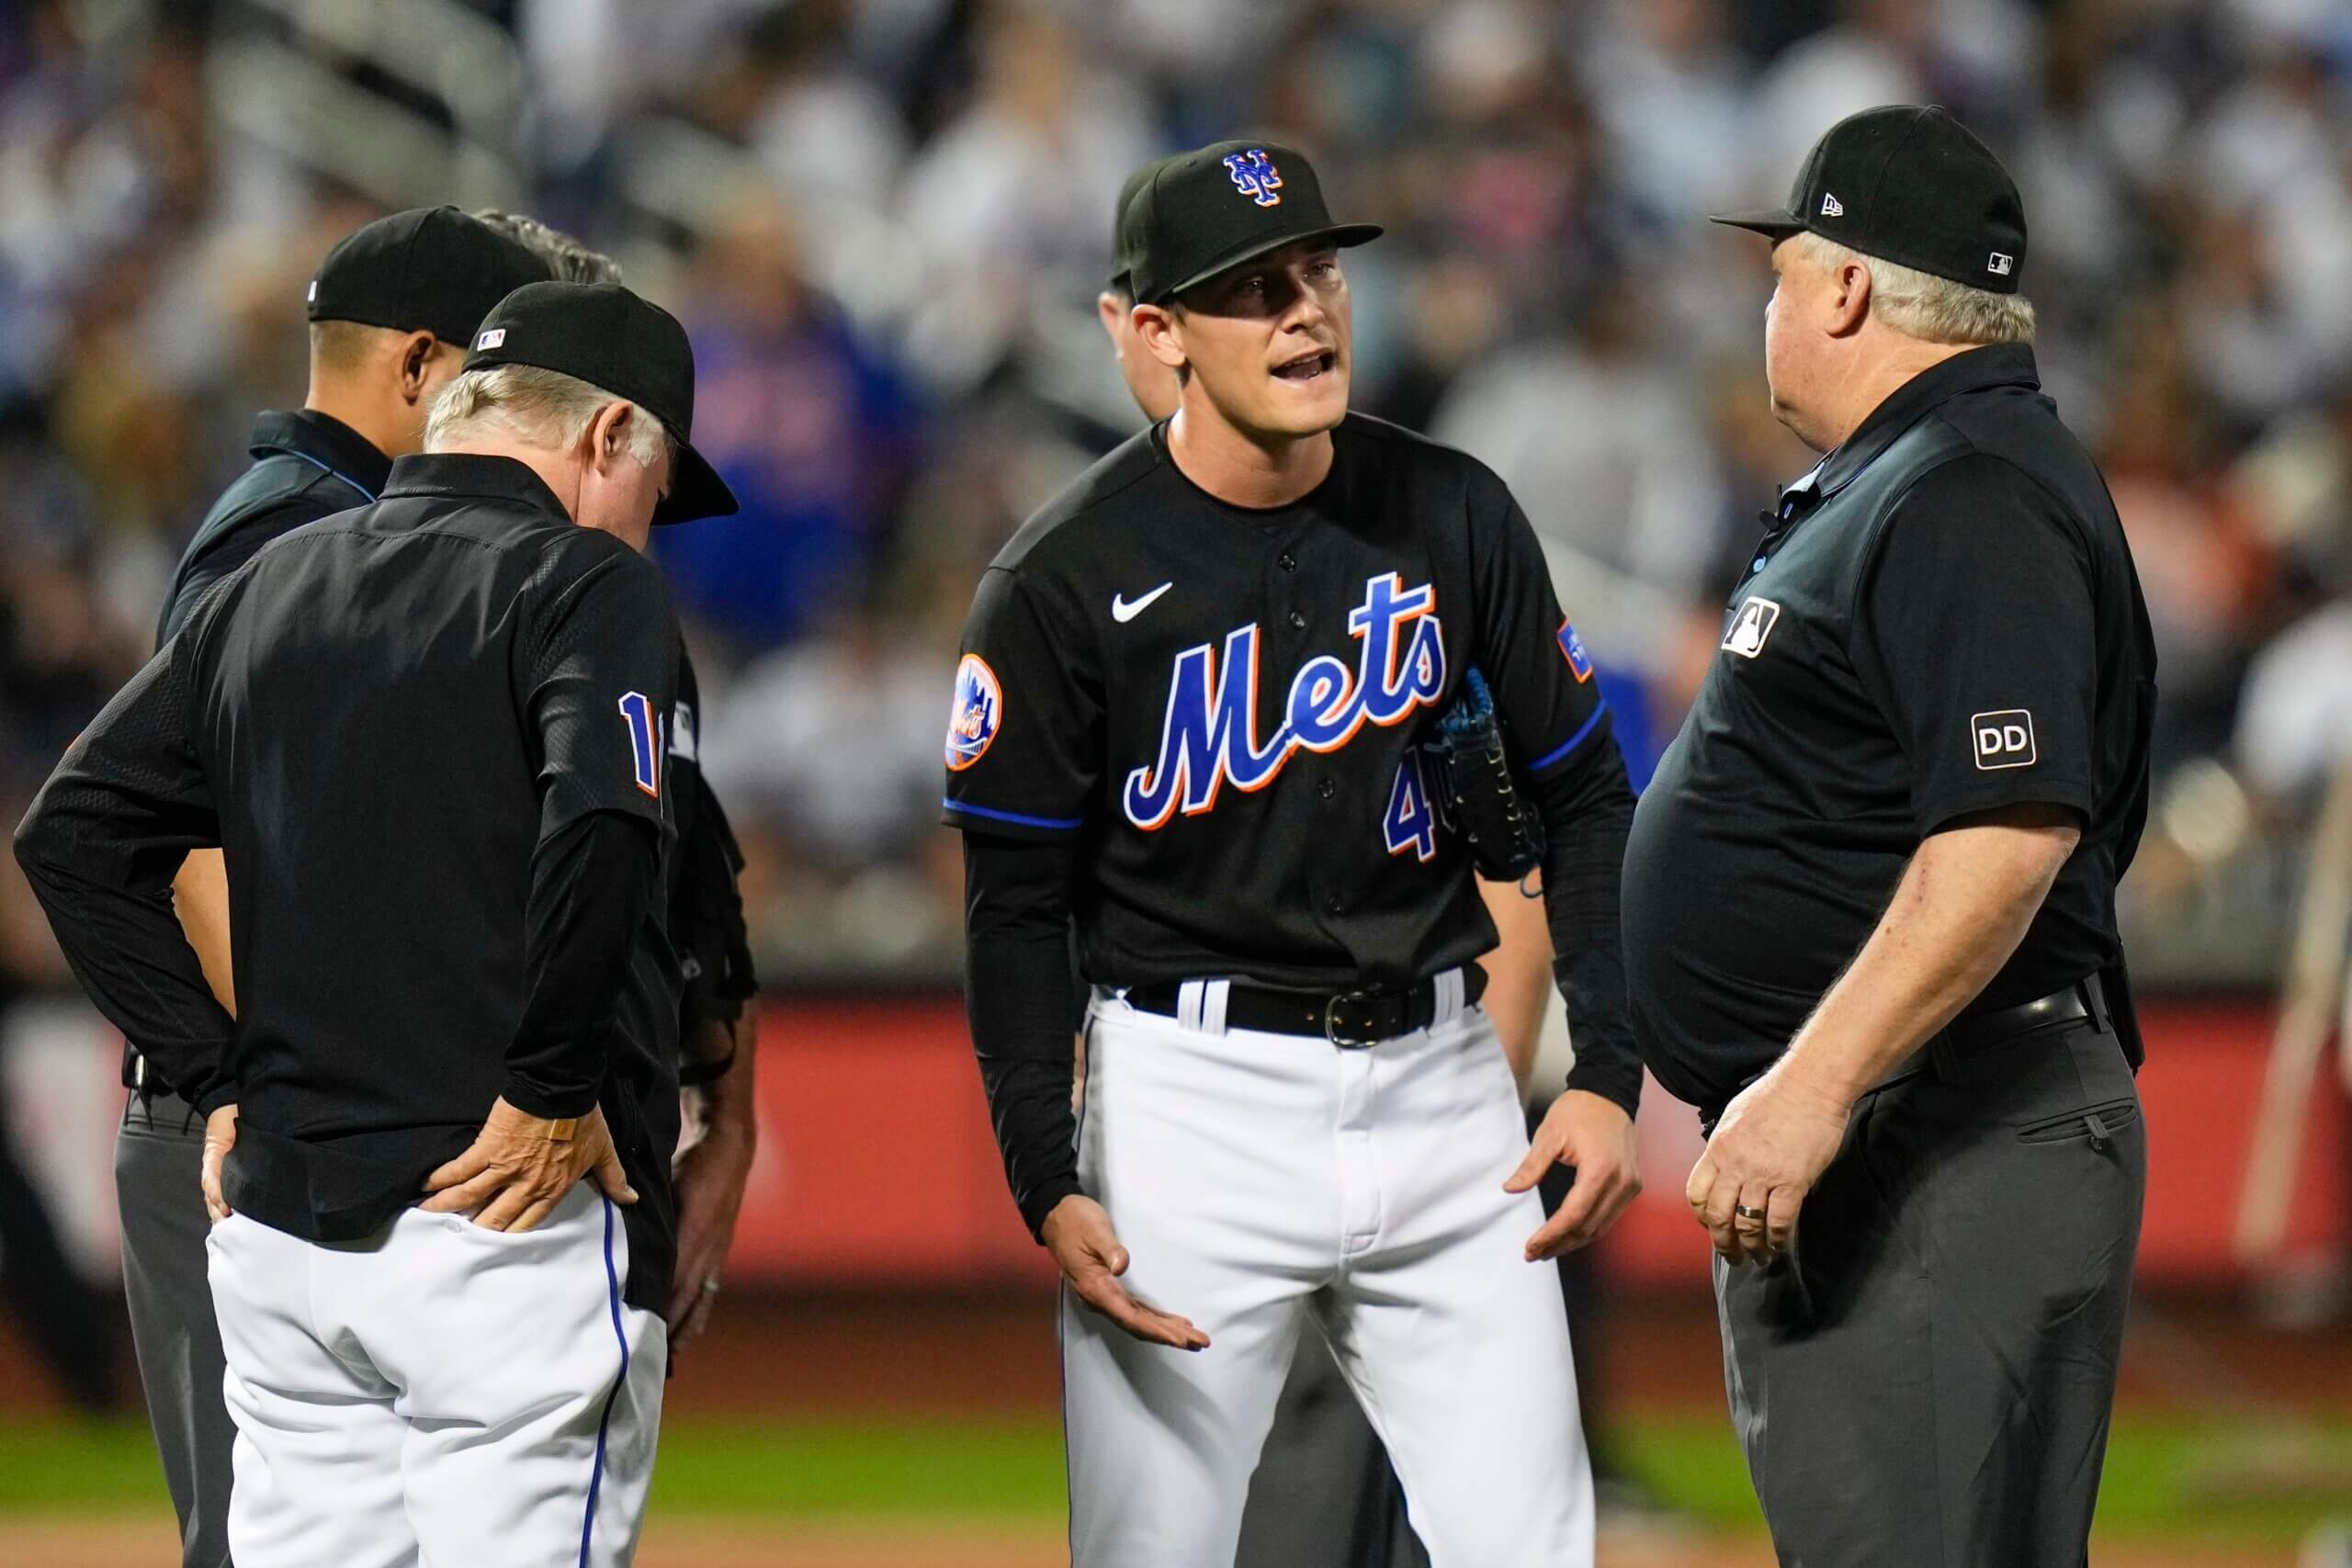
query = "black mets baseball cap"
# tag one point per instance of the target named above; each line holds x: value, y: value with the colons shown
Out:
x: 429, y: 269
x: 1907, y: 183
x: 608, y: 337
x: 1197, y: 214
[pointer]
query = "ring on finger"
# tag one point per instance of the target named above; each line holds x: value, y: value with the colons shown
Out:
x: 1745, y: 1212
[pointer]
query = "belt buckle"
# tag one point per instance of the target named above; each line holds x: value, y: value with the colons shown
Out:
x: 1332, y: 1021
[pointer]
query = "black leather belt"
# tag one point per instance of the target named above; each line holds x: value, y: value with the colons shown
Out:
x: 1349, y: 1018
x: 1964, y: 1037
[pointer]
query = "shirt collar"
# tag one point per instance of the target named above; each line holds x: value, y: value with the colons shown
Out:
x: 327, y: 442
x: 1994, y: 364
x: 473, y: 474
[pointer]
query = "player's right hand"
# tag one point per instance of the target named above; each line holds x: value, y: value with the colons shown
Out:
x: 516, y: 1170
x: 1077, y: 1233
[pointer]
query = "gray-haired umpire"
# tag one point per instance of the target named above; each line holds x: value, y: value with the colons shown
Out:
x: 428, y: 735
x: 1869, y: 896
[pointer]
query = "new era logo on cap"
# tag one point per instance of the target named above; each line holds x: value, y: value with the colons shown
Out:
x: 491, y: 339
x: 1831, y: 207
x: 314, y: 293
x: 2000, y: 264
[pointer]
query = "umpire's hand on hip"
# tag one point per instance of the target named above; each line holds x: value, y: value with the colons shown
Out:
x: 520, y: 1166
x: 1773, y: 1143
x: 1077, y: 1233
x: 1594, y: 1138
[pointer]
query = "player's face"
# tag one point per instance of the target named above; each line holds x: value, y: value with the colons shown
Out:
x: 1150, y: 383
x: 617, y: 493
x: 1269, y: 342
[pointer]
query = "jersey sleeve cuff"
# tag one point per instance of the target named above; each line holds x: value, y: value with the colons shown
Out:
x: 1597, y: 724
x: 1040, y: 1203
x: 1007, y: 823
x: 2072, y: 794
x: 550, y: 1106
x: 1621, y: 1087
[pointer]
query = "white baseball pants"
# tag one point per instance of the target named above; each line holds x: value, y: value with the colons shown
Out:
x: 439, y: 1395
x: 1266, y: 1185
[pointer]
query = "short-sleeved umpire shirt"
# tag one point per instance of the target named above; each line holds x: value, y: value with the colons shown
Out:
x: 1223, y: 706
x: 1943, y: 620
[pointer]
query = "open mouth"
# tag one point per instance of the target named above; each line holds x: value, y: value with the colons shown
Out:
x: 1308, y: 366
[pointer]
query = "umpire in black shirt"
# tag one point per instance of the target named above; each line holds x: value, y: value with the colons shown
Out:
x: 428, y: 735
x: 1869, y: 896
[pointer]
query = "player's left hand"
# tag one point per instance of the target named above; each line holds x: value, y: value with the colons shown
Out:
x: 708, y: 1176
x: 220, y: 1137
x: 1773, y: 1143
x: 1594, y: 1136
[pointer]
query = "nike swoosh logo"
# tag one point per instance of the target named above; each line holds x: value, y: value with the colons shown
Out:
x: 1124, y: 609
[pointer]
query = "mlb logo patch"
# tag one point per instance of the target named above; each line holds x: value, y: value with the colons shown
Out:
x: 2001, y: 264
x: 2004, y: 739
x: 1255, y: 177
x: 683, y: 741
x: 1750, y: 625
x: 976, y: 715
x: 1572, y: 649
x: 490, y: 339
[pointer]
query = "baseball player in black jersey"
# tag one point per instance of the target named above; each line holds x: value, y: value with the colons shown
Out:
x: 393, y: 307
x: 1193, y: 718
x: 428, y: 735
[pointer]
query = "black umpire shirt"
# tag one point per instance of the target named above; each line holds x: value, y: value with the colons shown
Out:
x: 1208, y: 721
x: 429, y: 737
x: 1943, y: 620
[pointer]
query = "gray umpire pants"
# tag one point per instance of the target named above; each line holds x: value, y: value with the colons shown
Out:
x: 158, y: 1156
x: 1323, y: 1495
x: 1928, y: 1377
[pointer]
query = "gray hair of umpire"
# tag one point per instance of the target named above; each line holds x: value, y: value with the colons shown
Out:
x: 570, y: 260
x: 544, y: 408
x: 1921, y: 305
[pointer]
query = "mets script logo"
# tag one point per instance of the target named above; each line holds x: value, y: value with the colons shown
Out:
x: 1255, y: 177
x: 976, y: 714
x: 1210, y: 736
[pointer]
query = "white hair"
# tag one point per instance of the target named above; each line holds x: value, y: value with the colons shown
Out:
x: 1921, y: 305
x: 545, y: 408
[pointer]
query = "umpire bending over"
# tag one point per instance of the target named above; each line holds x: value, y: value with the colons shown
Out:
x: 426, y: 735
x: 1870, y: 898
x: 391, y: 312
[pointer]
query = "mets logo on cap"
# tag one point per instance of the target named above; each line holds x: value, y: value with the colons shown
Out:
x: 976, y: 714
x: 1255, y: 177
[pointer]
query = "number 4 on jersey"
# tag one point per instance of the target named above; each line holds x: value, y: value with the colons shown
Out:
x: 1410, y: 819
x: 644, y: 740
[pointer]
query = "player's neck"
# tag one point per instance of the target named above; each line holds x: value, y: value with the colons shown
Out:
x: 362, y: 413
x: 1241, y: 469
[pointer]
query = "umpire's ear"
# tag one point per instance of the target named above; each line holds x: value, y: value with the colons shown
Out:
x: 1156, y: 324
x: 416, y: 367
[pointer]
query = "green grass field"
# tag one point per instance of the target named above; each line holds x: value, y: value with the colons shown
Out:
x: 2213, y: 1483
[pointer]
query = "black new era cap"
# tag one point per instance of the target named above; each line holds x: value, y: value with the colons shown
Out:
x: 604, y: 334
x: 428, y: 270
x: 1908, y: 183
x: 1197, y: 214
x: 1121, y: 264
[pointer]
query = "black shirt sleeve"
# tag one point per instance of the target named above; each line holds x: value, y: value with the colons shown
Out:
x: 598, y: 697
x: 1021, y: 994
x: 211, y: 560
x: 100, y: 846
x: 1557, y: 728
x: 1024, y: 729
x: 707, y: 914
x: 1974, y: 631
x: 591, y: 884
x: 1541, y: 678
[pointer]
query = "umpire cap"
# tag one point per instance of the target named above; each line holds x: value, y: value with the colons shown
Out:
x: 608, y: 337
x: 1200, y: 213
x: 1908, y: 183
x: 430, y: 268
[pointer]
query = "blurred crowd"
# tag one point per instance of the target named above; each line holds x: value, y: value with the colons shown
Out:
x: 885, y: 222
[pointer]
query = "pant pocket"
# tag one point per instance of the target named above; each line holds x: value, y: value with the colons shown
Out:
x: 2088, y: 1121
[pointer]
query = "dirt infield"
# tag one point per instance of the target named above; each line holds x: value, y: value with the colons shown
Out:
x: 119, y: 1543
